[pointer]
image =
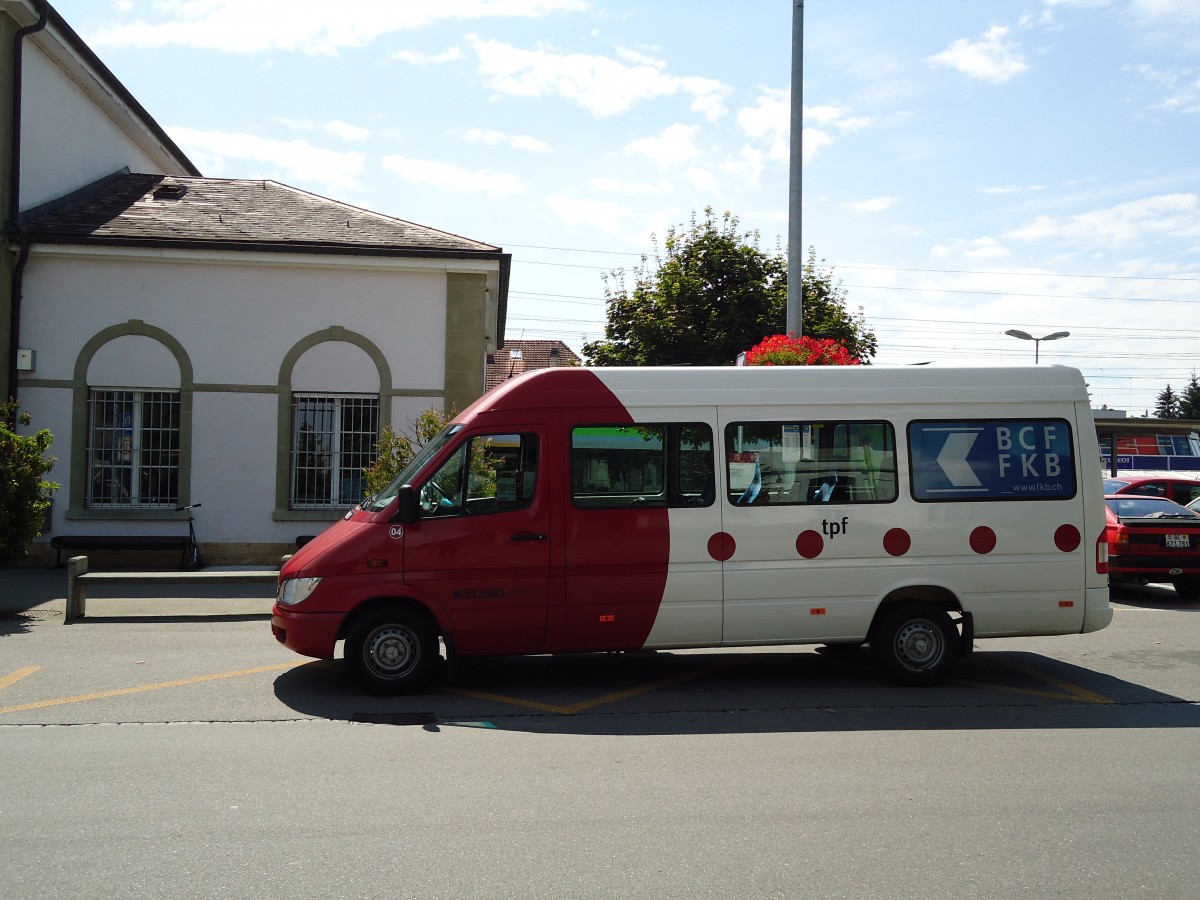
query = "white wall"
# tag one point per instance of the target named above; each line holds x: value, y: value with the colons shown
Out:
x: 237, y: 321
x: 67, y: 140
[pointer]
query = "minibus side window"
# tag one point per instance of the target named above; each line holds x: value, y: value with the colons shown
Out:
x: 616, y: 466
x: 792, y: 463
x: 488, y: 473
x: 955, y: 460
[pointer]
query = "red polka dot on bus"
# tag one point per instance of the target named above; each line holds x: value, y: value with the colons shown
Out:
x: 722, y: 546
x: 983, y: 539
x: 809, y: 544
x: 897, y: 542
x: 1067, y: 538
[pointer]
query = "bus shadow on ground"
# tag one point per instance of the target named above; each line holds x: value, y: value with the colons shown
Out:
x: 797, y: 690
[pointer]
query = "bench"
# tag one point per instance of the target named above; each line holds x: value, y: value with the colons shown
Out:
x: 78, y: 579
x: 61, y: 542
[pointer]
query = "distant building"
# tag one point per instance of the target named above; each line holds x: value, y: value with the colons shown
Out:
x: 520, y: 356
x: 1144, y: 444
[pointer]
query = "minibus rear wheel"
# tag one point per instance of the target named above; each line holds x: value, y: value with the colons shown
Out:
x: 915, y: 644
x: 392, y: 650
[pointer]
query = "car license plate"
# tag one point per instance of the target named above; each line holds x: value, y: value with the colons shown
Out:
x: 1177, y: 542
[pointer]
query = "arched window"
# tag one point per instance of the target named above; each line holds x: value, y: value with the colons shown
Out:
x: 332, y: 382
x: 137, y: 383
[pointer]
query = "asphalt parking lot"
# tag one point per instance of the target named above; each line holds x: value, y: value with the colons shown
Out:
x: 169, y: 746
x: 211, y: 658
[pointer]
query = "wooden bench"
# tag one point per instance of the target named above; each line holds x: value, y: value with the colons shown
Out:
x: 181, y: 542
x: 79, y: 578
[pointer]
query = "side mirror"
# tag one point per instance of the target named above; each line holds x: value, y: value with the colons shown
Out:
x: 407, y: 511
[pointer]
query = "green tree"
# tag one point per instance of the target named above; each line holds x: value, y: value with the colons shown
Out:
x: 711, y: 293
x: 395, y: 449
x: 1189, y: 400
x: 1167, y: 404
x: 24, y: 493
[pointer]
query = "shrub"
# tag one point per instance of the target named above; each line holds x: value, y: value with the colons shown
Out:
x: 395, y: 450
x: 24, y: 495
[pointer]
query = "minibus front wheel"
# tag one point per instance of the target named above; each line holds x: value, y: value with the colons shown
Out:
x: 392, y: 650
x: 915, y: 644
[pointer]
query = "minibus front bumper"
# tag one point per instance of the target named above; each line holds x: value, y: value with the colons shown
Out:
x: 309, y: 634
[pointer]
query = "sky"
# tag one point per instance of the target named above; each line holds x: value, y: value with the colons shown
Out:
x: 968, y: 168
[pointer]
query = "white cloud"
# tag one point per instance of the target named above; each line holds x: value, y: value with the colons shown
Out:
x: 992, y: 59
x: 308, y: 26
x: 297, y: 161
x: 768, y: 123
x: 747, y: 165
x: 448, y: 177
x: 602, y: 85
x: 1164, y: 216
x: 337, y: 128
x: 604, y: 215
x: 675, y: 144
x: 874, y: 205
x: 629, y: 188
x: 516, y: 141
x: 1002, y: 189
x: 416, y: 57
x: 977, y: 249
x: 813, y: 141
x: 346, y: 131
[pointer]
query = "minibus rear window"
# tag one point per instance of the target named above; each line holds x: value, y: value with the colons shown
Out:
x: 991, y: 459
x: 615, y: 466
x: 791, y: 463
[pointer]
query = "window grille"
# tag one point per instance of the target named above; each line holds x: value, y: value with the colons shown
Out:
x: 133, y: 449
x: 333, y: 440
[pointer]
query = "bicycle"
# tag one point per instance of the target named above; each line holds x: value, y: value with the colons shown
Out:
x: 191, y: 553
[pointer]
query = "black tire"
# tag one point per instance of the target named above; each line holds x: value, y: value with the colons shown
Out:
x: 392, y: 651
x: 915, y: 644
x: 1188, y: 586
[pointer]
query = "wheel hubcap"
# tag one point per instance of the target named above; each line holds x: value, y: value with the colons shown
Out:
x: 392, y: 651
x: 919, y: 645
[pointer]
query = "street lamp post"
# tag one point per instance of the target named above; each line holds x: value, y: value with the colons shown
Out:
x: 1037, y: 341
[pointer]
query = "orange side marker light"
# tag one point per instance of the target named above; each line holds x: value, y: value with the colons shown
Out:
x: 817, y: 611
x: 608, y: 618
x: 1065, y: 604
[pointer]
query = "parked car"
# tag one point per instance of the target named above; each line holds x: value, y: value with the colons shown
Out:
x: 1182, y: 487
x: 1153, y: 539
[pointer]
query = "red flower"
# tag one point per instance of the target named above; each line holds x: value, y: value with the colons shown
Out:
x: 788, y: 350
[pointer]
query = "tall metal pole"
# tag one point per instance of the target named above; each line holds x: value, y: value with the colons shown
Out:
x: 795, y: 289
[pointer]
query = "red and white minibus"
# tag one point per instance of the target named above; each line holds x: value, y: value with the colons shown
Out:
x: 576, y: 510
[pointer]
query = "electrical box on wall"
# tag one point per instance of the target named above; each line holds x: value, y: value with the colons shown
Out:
x: 26, y: 360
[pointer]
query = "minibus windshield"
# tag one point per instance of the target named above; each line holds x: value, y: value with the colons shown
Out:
x: 379, y: 502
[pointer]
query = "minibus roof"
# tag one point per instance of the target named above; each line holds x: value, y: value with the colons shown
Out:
x: 581, y: 387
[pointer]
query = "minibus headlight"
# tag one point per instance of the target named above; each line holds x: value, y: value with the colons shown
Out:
x: 296, y: 590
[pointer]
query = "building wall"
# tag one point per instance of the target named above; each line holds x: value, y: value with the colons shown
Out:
x: 68, y: 140
x: 236, y: 333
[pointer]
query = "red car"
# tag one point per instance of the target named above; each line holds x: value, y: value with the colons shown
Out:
x: 1153, y: 539
x: 1182, y: 487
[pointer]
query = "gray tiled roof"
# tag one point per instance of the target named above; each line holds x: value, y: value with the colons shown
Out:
x: 166, y: 209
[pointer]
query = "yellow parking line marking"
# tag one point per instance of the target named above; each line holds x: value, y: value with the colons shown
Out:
x: 1067, y: 690
x: 141, y: 689
x: 596, y: 701
x: 9, y: 680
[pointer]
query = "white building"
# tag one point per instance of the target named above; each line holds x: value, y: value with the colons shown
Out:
x: 238, y: 344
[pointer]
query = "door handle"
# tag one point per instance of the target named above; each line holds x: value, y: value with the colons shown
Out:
x: 527, y: 536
